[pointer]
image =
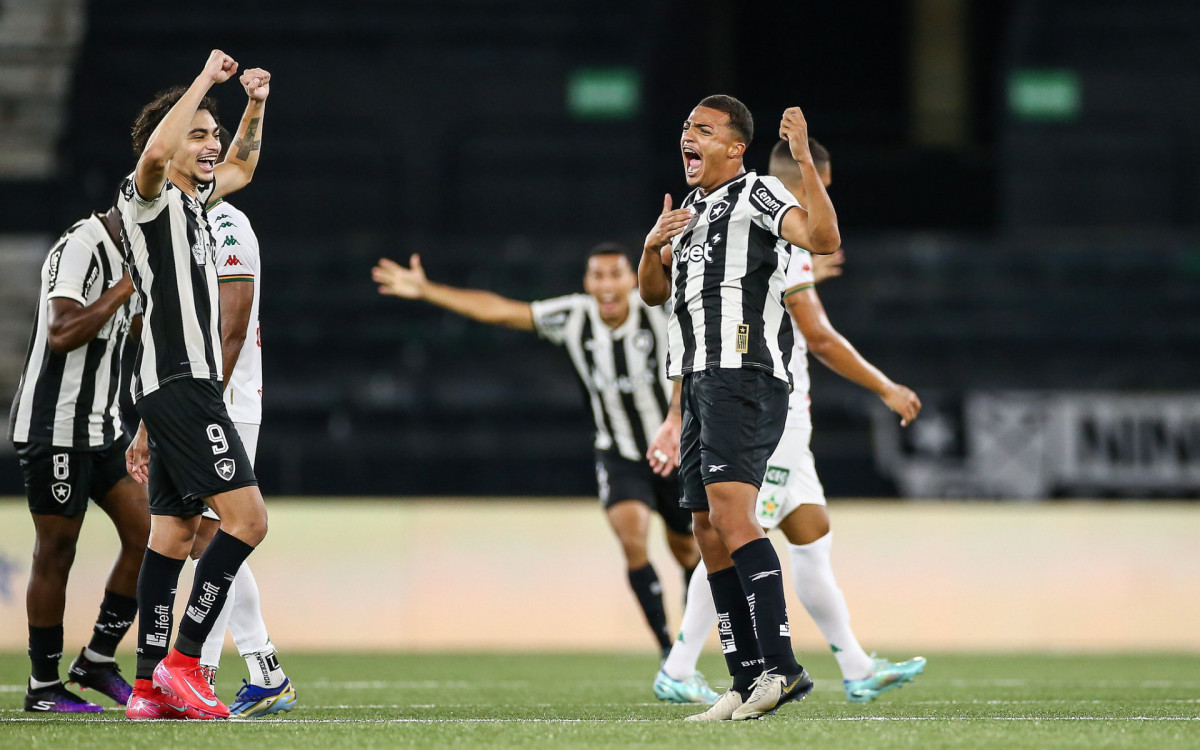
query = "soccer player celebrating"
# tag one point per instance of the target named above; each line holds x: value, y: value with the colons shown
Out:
x: 791, y: 498
x: 721, y: 260
x: 187, y: 447
x: 239, y: 273
x: 65, y: 425
x: 618, y: 348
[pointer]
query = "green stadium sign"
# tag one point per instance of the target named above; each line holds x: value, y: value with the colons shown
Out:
x: 604, y: 93
x: 1044, y: 94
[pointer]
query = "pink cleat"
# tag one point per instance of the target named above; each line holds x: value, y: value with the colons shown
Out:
x: 148, y: 703
x: 183, y: 678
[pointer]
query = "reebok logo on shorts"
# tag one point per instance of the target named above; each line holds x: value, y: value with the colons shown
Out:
x: 713, y: 469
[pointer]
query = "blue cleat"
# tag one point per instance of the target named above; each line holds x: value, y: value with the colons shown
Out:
x: 885, y: 677
x: 694, y: 689
x: 253, y: 700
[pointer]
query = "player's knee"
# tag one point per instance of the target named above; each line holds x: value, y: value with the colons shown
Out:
x: 54, y: 555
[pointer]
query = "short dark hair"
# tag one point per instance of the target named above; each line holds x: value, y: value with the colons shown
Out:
x: 153, y: 113
x: 740, y: 119
x: 783, y: 151
x: 609, y: 248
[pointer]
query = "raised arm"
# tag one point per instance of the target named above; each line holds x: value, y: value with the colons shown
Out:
x: 166, y: 139
x: 814, y: 227
x: 654, y: 278
x: 836, y: 353
x: 486, y: 307
x: 237, y: 170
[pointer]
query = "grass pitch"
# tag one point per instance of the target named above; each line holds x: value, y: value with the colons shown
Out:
x: 572, y: 700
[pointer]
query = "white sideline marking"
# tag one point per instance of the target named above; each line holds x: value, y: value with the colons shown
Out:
x: 646, y: 721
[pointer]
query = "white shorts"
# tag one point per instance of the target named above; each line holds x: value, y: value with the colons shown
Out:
x: 249, y: 436
x: 791, y: 479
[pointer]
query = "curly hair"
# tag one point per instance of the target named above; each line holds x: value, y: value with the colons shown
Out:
x: 153, y: 113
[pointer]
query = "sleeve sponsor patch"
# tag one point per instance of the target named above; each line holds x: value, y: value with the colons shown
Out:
x: 765, y: 201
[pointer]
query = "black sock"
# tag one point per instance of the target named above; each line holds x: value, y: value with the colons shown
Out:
x: 687, y: 583
x: 647, y: 589
x: 116, y: 615
x: 215, y: 571
x: 761, y: 575
x: 45, y: 651
x: 735, y: 627
x: 156, y: 586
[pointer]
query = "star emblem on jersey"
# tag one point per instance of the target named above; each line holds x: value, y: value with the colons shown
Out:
x: 718, y: 210
x: 61, y: 491
x: 643, y: 341
x: 225, y: 468
x: 713, y: 468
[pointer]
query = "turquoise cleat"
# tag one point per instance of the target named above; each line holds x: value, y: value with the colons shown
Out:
x: 885, y: 677
x: 694, y: 689
x: 253, y: 700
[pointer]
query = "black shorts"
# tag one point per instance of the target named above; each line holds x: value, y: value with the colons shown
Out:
x: 732, y: 422
x: 59, y: 481
x: 621, y: 479
x: 195, y: 451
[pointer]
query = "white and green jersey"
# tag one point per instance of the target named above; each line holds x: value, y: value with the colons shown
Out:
x: 238, y: 261
x: 799, y: 277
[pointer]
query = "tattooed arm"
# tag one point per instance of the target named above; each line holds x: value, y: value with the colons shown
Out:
x: 235, y: 172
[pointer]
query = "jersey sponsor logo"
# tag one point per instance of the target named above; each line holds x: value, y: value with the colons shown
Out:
x: 127, y: 189
x: 555, y: 320
x: 776, y: 475
x: 230, y: 241
x: 61, y: 492
x: 694, y: 254
x: 718, y: 210
x: 55, y: 259
x: 226, y: 468
x: 232, y: 260
x: 764, y: 200
x: 90, y: 281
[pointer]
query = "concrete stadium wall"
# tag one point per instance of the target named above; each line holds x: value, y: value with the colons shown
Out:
x: 493, y: 574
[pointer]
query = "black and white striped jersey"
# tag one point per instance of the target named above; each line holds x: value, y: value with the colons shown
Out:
x: 71, y: 400
x: 622, y: 369
x: 727, y: 280
x: 172, y: 259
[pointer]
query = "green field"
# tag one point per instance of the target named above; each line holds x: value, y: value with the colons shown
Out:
x: 570, y: 700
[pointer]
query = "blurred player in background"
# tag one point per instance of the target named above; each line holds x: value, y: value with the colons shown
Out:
x: 239, y: 273
x: 65, y: 425
x: 618, y: 347
x: 187, y: 447
x: 721, y: 260
x: 791, y: 498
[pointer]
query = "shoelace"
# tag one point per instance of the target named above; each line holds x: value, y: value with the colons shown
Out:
x: 760, y: 682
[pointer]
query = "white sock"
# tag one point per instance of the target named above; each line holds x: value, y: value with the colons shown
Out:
x: 250, y: 633
x: 210, y: 652
x: 96, y: 658
x: 812, y: 574
x: 699, y: 616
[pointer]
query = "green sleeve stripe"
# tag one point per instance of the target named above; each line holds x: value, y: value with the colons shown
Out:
x: 227, y: 279
x: 798, y: 288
